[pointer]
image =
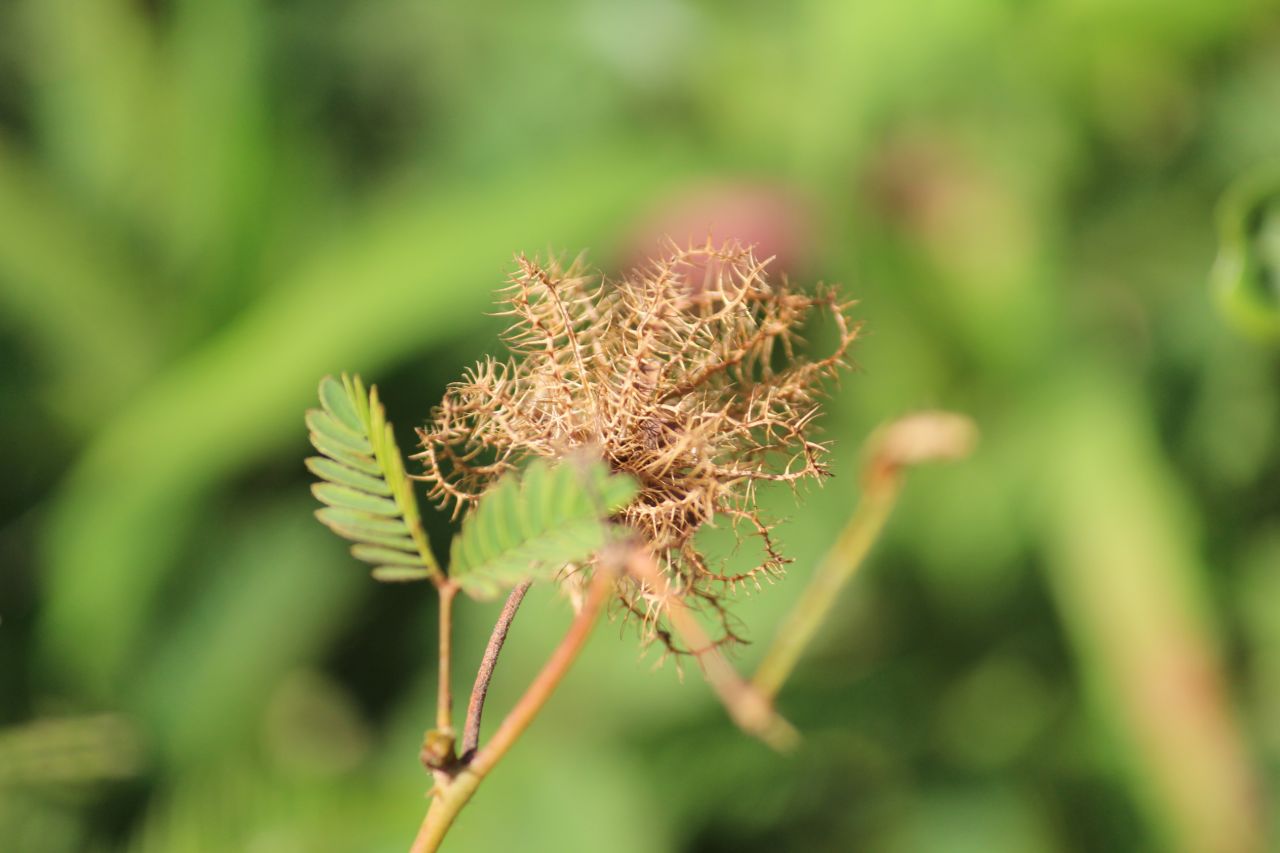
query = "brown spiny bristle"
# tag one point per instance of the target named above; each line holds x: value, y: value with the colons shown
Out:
x: 684, y: 374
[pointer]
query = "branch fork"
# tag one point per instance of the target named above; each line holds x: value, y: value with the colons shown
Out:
x: 919, y: 438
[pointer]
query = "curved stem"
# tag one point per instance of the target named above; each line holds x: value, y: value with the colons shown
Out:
x: 548, y: 679
x: 455, y: 794
x: 444, y: 809
x: 922, y: 437
x: 750, y: 710
x: 835, y: 570
x: 480, y: 691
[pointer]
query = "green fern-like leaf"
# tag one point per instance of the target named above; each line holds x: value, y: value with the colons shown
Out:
x: 367, y: 495
x: 532, y: 525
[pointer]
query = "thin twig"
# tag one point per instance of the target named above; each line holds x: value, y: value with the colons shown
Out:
x: 444, y: 699
x: 922, y: 437
x: 746, y: 705
x: 453, y: 795
x: 839, y: 564
x: 475, y: 708
x: 552, y: 672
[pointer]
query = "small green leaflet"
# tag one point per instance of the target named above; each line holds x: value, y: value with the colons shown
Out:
x: 367, y: 495
x: 529, y: 526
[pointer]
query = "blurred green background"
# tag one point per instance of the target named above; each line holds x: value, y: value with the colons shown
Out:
x: 1070, y: 642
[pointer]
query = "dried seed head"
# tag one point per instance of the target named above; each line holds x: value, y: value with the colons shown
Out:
x: 685, y: 374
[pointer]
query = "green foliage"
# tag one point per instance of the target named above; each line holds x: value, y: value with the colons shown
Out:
x: 540, y: 521
x: 534, y: 524
x: 170, y: 285
x: 366, y: 491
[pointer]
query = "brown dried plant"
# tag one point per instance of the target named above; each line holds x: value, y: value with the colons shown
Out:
x: 687, y: 374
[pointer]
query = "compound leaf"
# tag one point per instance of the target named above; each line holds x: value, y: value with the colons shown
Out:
x: 530, y: 525
x: 368, y: 496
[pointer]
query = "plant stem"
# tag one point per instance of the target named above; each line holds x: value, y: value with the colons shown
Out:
x: 912, y: 440
x: 519, y: 718
x: 836, y: 568
x: 444, y: 700
x: 475, y: 709
x: 923, y: 437
x: 749, y: 709
x: 453, y: 795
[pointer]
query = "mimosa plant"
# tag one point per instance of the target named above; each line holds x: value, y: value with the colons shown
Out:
x: 629, y: 415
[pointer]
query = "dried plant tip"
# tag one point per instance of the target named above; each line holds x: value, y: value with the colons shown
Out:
x: 700, y: 392
x: 924, y: 437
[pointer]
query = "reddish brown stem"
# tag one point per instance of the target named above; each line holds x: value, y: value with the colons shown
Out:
x: 480, y: 691
x: 452, y: 795
x: 751, y: 710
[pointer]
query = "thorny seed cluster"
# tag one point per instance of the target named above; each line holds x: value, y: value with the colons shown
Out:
x: 685, y: 374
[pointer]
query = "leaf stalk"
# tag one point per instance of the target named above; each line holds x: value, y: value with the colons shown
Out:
x: 454, y: 793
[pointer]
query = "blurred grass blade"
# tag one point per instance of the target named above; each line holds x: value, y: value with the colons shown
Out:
x: 1131, y: 589
x: 204, y: 690
x: 69, y: 750
x: 74, y: 295
x: 98, y: 79
x: 222, y: 191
